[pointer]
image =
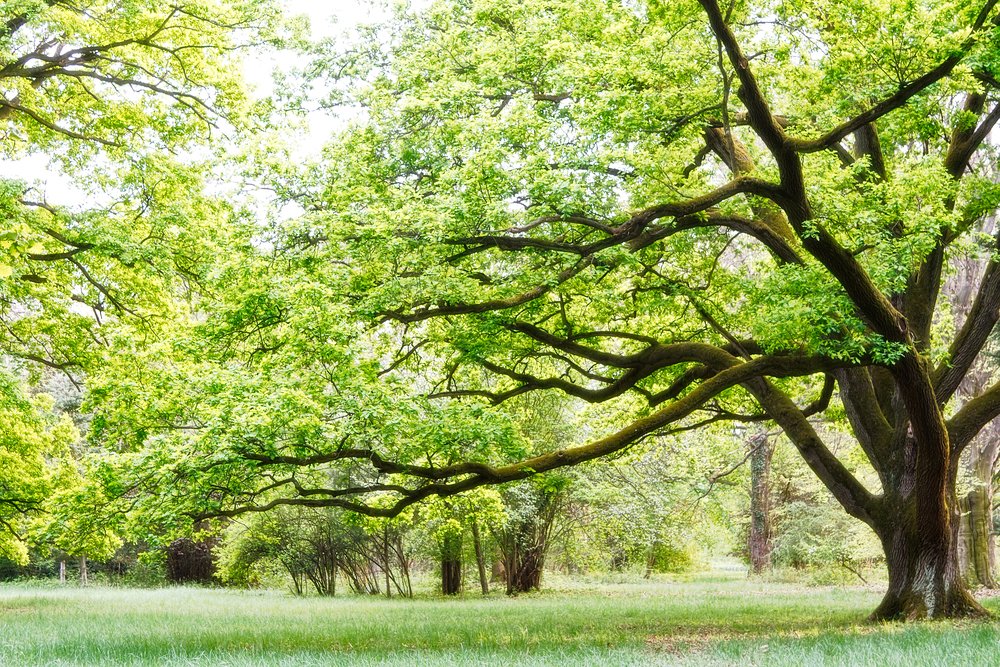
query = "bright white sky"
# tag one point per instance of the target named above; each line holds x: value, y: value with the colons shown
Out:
x: 334, y: 16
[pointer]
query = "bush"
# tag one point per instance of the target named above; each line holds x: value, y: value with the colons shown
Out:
x: 667, y: 558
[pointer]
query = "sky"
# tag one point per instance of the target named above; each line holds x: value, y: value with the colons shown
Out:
x: 332, y: 16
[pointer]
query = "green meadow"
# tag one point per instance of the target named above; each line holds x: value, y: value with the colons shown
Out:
x: 708, y: 620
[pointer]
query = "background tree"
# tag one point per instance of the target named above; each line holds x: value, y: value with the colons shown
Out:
x: 810, y: 533
x: 759, y: 534
x: 308, y: 544
x: 526, y: 535
x: 450, y: 521
x: 662, y: 506
x: 108, y: 94
x: 976, y: 541
x: 74, y: 522
x: 33, y: 441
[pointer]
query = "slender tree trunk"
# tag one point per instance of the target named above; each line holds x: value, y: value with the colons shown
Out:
x: 451, y: 564
x: 385, y: 561
x: 297, y: 581
x: 976, y: 542
x: 84, y: 578
x: 477, y: 542
x: 525, y: 542
x: 62, y: 570
x: 524, y: 570
x: 759, y: 535
x: 404, y: 567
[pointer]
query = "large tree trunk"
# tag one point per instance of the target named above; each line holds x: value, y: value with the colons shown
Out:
x: 924, y: 580
x: 524, y: 569
x: 917, y: 528
x: 916, y: 515
x: 759, y: 535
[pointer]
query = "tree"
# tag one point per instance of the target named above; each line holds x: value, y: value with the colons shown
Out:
x: 975, y: 530
x: 448, y: 520
x: 683, y: 212
x: 308, y: 544
x: 759, y: 534
x: 658, y: 505
x: 112, y: 94
x: 33, y: 439
x: 109, y: 92
x: 809, y: 530
x: 72, y: 523
x: 976, y: 536
x: 526, y: 535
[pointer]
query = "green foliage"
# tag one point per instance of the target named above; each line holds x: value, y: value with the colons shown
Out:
x: 110, y: 94
x: 33, y: 436
x: 810, y: 531
x: 666, y: 558
x: 520, y: 207
x: 127, y: 86
x: 811, y: 535
x: 306, y: 544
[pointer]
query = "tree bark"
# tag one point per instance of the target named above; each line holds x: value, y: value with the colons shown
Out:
x: 759, y: 535
x: 523, y: 549
x: 975, y: 529
x: 451, y: 564
x: 524, y: 570
x: 924, y: 581
x: 477, y: 542
x: 976, y: 538
x: 524, y: 542
x: 976, y: 541
x: 918, y: 535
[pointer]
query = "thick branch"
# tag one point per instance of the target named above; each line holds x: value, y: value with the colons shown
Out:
x: 852, y: 495
x: 971, y: 339
x: 733, y: 373
x: 972, y: 418
x: 903, y: 95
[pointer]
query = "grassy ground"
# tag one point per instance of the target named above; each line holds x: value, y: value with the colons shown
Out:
x: 721, y: 621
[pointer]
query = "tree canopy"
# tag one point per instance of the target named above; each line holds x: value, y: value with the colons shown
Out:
x: 110, y: 92
x: 674, y: 213
x: 118, y: 98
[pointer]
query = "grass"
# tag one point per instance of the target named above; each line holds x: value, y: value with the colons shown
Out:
x: 707, y: 621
